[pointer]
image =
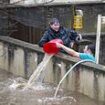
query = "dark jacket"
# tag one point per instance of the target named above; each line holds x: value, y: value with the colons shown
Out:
x: 51, y: 34
x: 73, y: 35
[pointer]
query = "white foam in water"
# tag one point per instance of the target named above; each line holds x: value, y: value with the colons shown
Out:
x: 17, y: 83
x: 57, y: 101
x: 40, y: 87
x: 13, y: 86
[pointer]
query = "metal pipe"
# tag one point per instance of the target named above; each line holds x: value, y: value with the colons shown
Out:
x: 97, y: 51
x: 86, y: 1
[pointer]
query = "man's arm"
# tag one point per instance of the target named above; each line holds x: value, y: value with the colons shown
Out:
x: 44, y: 39
x: 73, y: 35
x: 68, y: 50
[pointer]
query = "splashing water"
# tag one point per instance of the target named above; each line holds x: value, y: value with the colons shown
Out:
x: 41, y: 67
x: 40, y: 94
x: 64, y: 100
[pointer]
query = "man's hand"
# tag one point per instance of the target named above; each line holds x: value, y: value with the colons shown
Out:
x: 79, y: 37
x: 59, y: 45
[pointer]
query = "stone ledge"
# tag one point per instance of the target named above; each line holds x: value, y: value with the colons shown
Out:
x: 34, y: 47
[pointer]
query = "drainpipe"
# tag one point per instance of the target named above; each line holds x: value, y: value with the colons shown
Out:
x: 97, y: 51
x: 86, y: 1
x: 100, y: 21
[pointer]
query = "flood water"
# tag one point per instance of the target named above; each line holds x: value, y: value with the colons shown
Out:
x: 39, y: 94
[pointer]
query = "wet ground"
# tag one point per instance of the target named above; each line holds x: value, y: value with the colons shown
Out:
x: 38, y: 94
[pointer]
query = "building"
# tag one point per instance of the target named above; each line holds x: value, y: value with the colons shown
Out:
x: 28, y: 22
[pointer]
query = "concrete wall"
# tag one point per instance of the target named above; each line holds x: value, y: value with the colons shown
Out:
x: 22, y: 58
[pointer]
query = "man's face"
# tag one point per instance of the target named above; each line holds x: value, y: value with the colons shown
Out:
x: 55, y: 26
x: 86, y: 50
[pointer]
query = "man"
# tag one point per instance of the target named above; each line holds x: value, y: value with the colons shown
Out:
x: 56, y: 31
x: 89, y: 51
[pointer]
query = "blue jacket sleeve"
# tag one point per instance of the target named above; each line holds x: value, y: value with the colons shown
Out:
x: 86, y: 56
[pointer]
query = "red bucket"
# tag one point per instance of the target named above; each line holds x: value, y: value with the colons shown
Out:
x: 51, y: 48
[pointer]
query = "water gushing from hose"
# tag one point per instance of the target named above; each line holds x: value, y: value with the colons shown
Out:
x: 86, y: 60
